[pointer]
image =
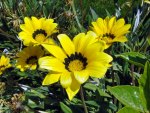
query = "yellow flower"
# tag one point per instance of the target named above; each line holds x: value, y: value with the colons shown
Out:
x: 28, y: 58
x: 37, y: 31
x: 147, y: 1
x: 75, y: 61
x: 111, y: 30
x: 4, y: 63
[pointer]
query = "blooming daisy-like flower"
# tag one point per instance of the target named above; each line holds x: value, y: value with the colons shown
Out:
x: 36, y: 31
x: 111, y: 30
x: 28, y: 58
x: 75, y: 61
x: 4, y: 63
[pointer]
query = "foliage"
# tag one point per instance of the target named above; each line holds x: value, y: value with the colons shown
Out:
x: 126, y: 85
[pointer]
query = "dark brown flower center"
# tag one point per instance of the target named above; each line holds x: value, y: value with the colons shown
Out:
x: 32, y: 60
x: 109, y: 35
x: 39, y: 31
x: 75, y: 62
x: 2, y: 66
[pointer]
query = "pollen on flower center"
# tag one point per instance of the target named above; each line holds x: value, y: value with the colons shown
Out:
x: 75, y: 65
x: 39, y: 31
x: 75, y: 62
x: 32, y: 60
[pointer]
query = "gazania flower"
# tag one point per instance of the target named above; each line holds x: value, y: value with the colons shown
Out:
x: 75, y: 61
x: 4, y: 63
x: 37, y: 31
x: 111, y: 30
x: 28, y: 58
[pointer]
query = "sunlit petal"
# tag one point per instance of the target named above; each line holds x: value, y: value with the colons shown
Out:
x: 67, y: 44
x: 73, y: 89
x: 51, y: 78
x: 65, y: 79
x: 81, y: 76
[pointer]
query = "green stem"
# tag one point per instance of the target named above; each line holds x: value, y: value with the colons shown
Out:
x: 83, y: 101
x: 132, y: 70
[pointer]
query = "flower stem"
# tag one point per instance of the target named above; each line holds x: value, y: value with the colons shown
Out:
x: 83, y: 101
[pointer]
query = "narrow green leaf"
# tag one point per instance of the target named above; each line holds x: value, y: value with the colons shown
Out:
x: 135, y: 58
x: 65, y: 108
x: 144, y: 86
x: 127, y: 95
x: 127, y: 110
x: 148, y: 39
x: 107, y: 12
x: 94, y: 15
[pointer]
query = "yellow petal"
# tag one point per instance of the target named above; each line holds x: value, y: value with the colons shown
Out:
x: 65, y: 79
x: 97, y: 69
x: 85, y: 40
x: 73, y: 89
x: 123, y: 30
x: 49, y: 26
x: 94, y: 48
x: 98, y: 30
x: 28, y: 24
x: 111, y: 23
x: 106, y: 23
x: 90, y: 38
x: 33, y: 67
x: 81, y: 76
x: 104, y: 57
x: 67, y: 44
x: 120, y: 39
x: 50, y: 79
x: 36, y: 23
x: 118, y: 25
x: 56, y: 51
x: 51, y: 63
x: 101, y: 25
x: 76, y: 40
x: 23, y: 27
x: 49, y: 41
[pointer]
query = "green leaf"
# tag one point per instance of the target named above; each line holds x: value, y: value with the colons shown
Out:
x: 102, y: 93
x: 90, y: 86
x: 148, y: 39
x: 127, y: 110
x: 65, y: 108
x: 127, y: 95
x: 144, y: 86
x: 135, y: 58
x: 92, y: 103
x: 94, y: 15
x: 34, y: 104
x: 34, y: 92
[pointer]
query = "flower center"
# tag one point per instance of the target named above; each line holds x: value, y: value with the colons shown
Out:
x: 2, y: 67
x: 75, y: 65
x: 32, y: 60
x: 75, y: 62
x: 109, y: 35
x: 39, y: 32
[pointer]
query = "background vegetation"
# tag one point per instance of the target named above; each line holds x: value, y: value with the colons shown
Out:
x: 126, y: 87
